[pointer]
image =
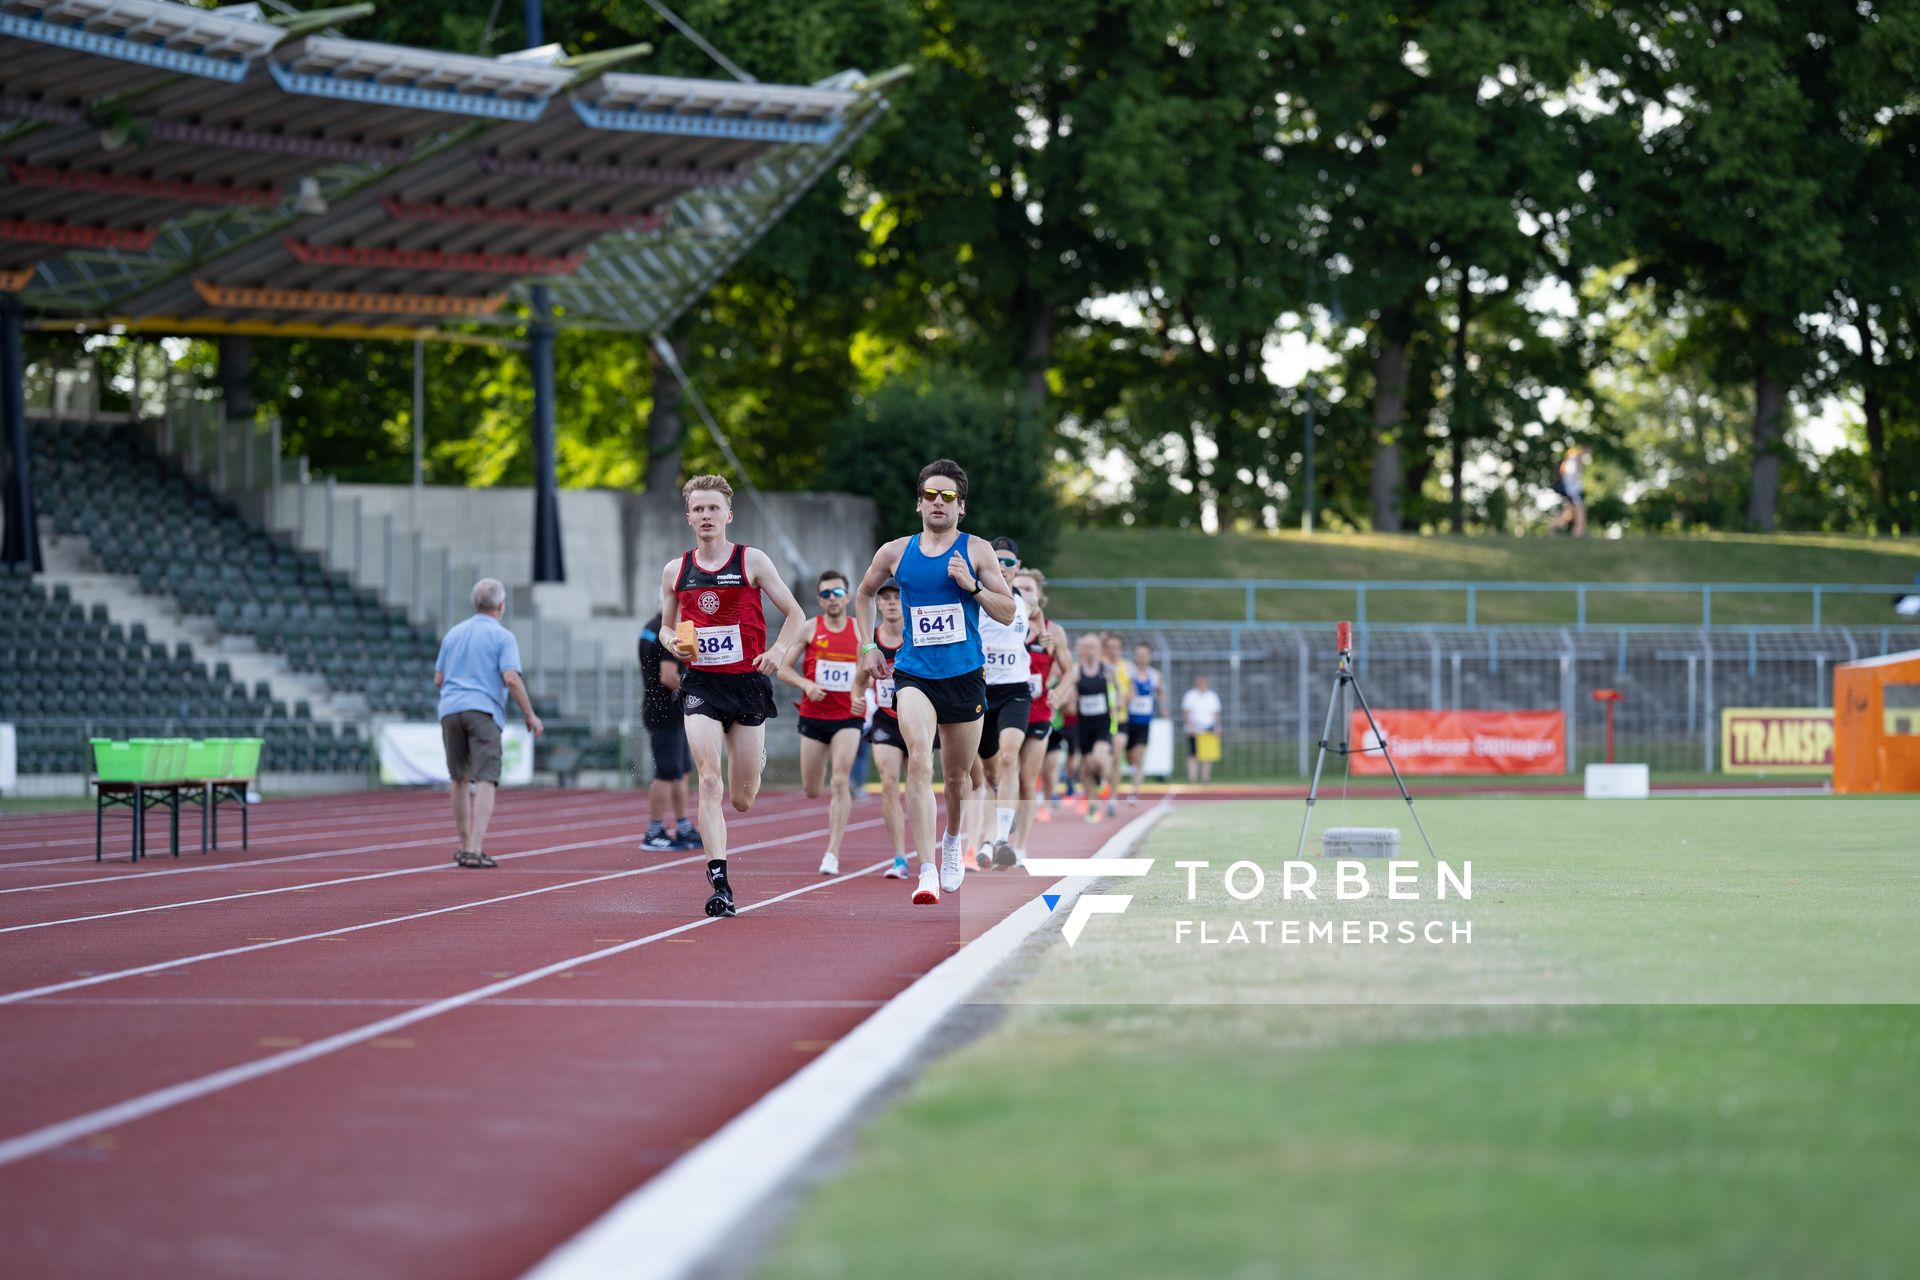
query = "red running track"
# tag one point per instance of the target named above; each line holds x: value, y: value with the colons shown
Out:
x: 336, y: 1054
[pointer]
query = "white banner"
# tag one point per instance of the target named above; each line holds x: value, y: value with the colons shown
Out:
x: 9, y: 759
x: 412, y: 754
x: 1158, y: 762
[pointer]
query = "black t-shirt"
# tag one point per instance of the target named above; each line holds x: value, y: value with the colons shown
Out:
x: 659, y: 705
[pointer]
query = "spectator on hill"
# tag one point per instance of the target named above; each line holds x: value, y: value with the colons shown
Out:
x: 1569, y: 482
x: 1200, y: 710
x: 478, y: 666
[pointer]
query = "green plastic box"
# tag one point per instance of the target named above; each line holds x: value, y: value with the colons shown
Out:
x: 118, y: 761
x: 209, y: 759
x: 246, y: 758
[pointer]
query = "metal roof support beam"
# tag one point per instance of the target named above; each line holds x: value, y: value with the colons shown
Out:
x: 549, y: 560
x: 29, y: 231
x: 489, y: 215
x: 629, y: 175
x: 123, y: 184
x: 706, y: 126
x: 21, y: 542
x: 401, y: 95
x: 283, y: 144
x: 243, y: 298
x: 490, y: 264
x: 37, y: 29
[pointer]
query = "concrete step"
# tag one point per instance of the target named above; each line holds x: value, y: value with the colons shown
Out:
x: 70, y: 560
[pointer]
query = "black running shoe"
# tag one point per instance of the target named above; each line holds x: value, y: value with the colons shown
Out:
x: 475, y: 860
x: 1003, y: 855
x: 721, y: 901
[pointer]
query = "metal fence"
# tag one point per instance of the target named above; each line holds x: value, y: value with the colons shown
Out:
x: 1274, y: 683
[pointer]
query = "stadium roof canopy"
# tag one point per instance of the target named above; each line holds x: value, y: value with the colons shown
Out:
x: 182, y: 170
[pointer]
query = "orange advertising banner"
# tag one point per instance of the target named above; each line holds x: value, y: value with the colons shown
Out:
x: 1441, y: 742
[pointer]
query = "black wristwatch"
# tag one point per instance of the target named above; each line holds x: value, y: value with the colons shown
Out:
x: 977, y: 587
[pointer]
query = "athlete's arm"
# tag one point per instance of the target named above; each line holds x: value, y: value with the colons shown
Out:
x: 994, y: 596
x: 670, y: 611
x: 866, y: 601
x: 789, y: 673
x: 761, y: 574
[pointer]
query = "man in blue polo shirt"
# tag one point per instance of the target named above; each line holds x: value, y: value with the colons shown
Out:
x: 478, y: 666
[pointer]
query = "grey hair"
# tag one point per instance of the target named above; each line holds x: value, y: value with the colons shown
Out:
x: 488, y: 595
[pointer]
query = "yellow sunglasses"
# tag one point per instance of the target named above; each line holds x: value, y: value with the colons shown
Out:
x: 944, y: 495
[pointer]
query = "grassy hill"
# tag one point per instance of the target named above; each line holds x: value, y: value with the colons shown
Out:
x: 1367, y: 557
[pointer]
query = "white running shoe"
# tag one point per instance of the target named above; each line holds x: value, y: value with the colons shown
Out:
x: 898, y: 871
x: 928, y: 894
x: 953, y: 869
x: 830, y: 865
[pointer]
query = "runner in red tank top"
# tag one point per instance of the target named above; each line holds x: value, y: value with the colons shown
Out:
x: 829, y: 729
x: 713, y: 593
x: 1050, y: 658
x: 889, y: 744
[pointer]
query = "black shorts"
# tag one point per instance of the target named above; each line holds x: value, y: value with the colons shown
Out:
x: 1057, y: 740
x: 1008, y: 706
x: 824, y: 730
x: 1038, y: 729
x: 671, y: 759
x: 885, y: 732
x: 732, y: 698
x: 1137, y: 733
x: 1086, y: 735
x: 956, y: 699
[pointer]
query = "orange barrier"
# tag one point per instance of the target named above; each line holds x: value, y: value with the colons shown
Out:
x: 1464, y: 742
x: 1876, y: 724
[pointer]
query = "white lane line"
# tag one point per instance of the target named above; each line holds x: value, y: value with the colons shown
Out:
x: 532, y: 828
x: 524, y: 817
x: 401, y: 871
x: 407, y: 1002
x: 51, y: 1136
x: 264, y: 827
x: 672, y: 1224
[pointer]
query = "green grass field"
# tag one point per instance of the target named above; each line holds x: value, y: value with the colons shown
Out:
x: 1683, y: 1042
x: 1779, y: 558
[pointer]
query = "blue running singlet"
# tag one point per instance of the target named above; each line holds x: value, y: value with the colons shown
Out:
x: 942, y: 622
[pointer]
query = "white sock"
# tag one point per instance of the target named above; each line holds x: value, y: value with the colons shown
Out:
x: 949, y: 842
x: 1005, y: 819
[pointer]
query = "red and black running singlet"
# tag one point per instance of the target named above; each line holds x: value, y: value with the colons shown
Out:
x: 1039, y: 667
x: 730, y: 631
x: 883, y: 687
x: 832, y: 657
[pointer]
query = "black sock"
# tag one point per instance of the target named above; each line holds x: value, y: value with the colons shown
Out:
x: 717, y: 872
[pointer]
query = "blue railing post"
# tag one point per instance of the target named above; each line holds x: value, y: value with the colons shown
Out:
x: 1360, y: 606
x: 1706, y: 606
x: 1580, y: 606
x: 1473, y: 594
x: 1140, y: 601
x: 1250, y: 612
x: 1816, y: 608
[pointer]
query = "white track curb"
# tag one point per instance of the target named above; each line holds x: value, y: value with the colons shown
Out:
x: 683, y: 1215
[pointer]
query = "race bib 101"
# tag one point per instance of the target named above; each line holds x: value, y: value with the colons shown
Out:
x: 717, y: 646
x: 834, y: 677
x: 935, y: 624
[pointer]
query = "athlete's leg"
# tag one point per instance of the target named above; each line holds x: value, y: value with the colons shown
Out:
x: 846, y: 745
x: 705, y: 737
x: 1013, y: 782
x: 886, y: 762
x: 1033, y: 754
x: 1137, y: 761
x: 746, y: 757
x: 483, y: 793
x: 462, y: 816
x: 977, y: 812
x: 813, y: 766
x: 917, y: 724
x: 960, y: 759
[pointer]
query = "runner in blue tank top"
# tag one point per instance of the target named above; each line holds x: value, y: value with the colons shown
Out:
x: 946, y: 578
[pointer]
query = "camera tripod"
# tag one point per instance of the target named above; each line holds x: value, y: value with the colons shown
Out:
x: 1345, y: 683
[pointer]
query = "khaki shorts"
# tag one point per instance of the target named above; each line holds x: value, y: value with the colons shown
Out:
x: 473, y: 746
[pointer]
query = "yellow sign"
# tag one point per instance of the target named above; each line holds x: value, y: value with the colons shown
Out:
x: 1776, y: 740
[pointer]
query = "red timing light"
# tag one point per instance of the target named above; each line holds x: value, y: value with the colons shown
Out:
x: 139, y: 238
x: 1343, y: 638
x: 480, y: 214
x: 120, y: 184
x: 493, y: 264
